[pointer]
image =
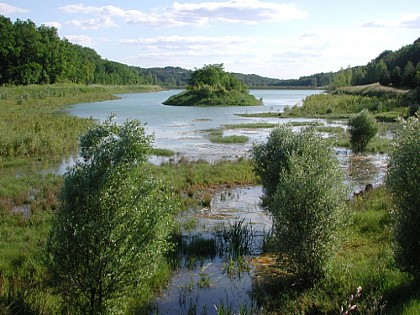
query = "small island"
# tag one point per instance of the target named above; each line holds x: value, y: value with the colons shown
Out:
x: 212, y: 86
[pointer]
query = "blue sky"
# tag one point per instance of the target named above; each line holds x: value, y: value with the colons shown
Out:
x: 279, y: 39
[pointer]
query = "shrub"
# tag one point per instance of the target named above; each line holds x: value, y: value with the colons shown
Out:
x: 403, y: 179
x: 305, y: 190
x: 362, y: 128
x: 113, y: 221
x: 272, y: 157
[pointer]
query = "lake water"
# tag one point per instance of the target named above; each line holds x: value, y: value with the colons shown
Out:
x: 182, y: 129
x: 185, y: 129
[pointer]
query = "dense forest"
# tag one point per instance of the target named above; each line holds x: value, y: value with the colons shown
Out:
x: 31, y: 54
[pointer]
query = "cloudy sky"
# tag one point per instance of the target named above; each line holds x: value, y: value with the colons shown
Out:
x: 274, y: 38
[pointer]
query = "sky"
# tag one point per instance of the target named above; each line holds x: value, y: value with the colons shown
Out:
x: 277, y: 39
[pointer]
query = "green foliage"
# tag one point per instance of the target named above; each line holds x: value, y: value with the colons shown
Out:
x: 215, y: 76
x: 399, y: 68
x: 403, y: 179
x: 212, y: 86
x: 113, y: 221
x: 272, y: 157
x: 304, y: 189
x: 362, y: 128
x: 37, y: 55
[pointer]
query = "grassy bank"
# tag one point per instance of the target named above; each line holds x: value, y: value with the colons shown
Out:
x: 34, y: 125
x: 364, y: 260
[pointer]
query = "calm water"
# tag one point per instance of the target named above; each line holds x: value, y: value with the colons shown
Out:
x: 182, y: 129
x: 185, y: 129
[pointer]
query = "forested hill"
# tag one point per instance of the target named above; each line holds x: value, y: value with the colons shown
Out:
x: 31, y: 54
x: 400, y: 68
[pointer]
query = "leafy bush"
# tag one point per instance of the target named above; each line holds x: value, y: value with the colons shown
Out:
x: 113, y: 221
x: 362, y: 128
x: 403, y: 179
x: 305, y: 194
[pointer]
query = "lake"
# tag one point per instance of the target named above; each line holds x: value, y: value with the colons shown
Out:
x: 181, y: 129
x: 185, y: 129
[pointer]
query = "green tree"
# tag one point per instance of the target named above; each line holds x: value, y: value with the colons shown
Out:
x: 403, y: 180
x: 113, y: 221
x: 307, y: 201
x: 362, y: 128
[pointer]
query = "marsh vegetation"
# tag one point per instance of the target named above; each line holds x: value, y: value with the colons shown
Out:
x: 29, y: 202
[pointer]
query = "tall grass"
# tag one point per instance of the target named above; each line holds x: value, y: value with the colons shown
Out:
x: 33, y: 124
x: 342, y: 106
x: 193, y: 180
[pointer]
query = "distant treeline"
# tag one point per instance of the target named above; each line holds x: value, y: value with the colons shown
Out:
x: 31, y: 54
x: 400, y: 68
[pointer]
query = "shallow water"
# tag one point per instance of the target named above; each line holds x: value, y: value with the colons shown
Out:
x: 203, y: 282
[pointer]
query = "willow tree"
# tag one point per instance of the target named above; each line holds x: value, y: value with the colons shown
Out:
x: 113, y: 221
x: 304, y: 192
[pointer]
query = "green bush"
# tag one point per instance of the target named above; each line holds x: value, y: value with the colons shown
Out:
x: 403, y: 179
x: 304, y: 185
x: 113, y: 222
x: 272, y: 157
x: 362, y: 128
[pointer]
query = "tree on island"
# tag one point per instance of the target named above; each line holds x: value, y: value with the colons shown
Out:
x: 212, y: 86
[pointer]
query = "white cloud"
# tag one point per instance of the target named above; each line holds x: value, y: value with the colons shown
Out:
x: 96, y: 23
x: 9, y: 9
x: 80, y: 39
x: 57, y: 25
x: 234, y: 11
x: 412, y: 22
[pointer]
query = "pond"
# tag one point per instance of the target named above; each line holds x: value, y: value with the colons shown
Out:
x: 207, y: 276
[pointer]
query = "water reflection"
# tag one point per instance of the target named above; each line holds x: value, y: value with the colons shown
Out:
x: 207, y: 278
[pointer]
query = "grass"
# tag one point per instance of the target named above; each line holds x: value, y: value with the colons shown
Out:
x: 365, y: 259
x: 195, y: 180
x: 258, y: 125
x: 162, y: 152
x: 34, y: 125
x: 216, y: 136
x: 374, y: 89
